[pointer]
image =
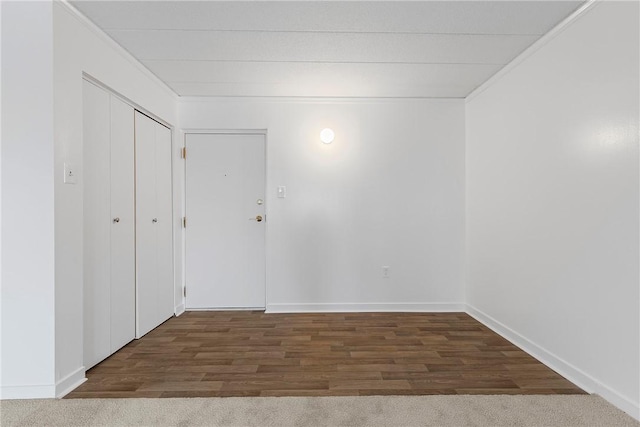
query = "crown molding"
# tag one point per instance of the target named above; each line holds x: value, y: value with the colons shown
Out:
x: 542, y: 41
x: 68, y: 7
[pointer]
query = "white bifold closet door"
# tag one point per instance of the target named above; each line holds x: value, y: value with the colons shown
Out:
x: 154, y: 239
x: 109, y: 233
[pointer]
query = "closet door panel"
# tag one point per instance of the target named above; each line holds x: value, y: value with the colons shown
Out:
x: 164, y: 227
x: 123, y: 281
x: 96, y: 224
x: 146, y: 257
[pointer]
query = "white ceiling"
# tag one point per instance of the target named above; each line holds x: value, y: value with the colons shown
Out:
x: 325, y: 48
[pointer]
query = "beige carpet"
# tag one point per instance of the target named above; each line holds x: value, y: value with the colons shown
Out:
x: 573, y: 410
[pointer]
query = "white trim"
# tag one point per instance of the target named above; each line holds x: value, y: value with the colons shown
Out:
x: 179, y: 309
x: 365, y: 307
x: 316, y: 99
x: 27, y: 391
x: 553, y: 33
x: 182, y: 181
x: 114, y: 45
x: 226, y: 309
x: 59, y: 389
x: 90, y: 79
x: 224, y: 132
x: 561, y: 366
x: 70, y: 382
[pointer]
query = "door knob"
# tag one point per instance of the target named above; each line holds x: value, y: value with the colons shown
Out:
x: 116, y: 219
x: 154, y: 220
x: 257, y: 218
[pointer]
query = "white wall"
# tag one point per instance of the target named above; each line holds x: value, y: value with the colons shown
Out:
x: 46, y: 48
x: 388, y: 191
x: 78, y: 48
x: 552, y: 192
x: 26, y: 333
x: 552, y: 203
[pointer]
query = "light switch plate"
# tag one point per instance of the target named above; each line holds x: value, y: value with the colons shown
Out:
x: 69, y: 174
x: 282, y: 191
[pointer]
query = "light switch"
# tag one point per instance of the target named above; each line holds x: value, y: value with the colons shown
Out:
x: 282, y: 192
x: 69, y: 174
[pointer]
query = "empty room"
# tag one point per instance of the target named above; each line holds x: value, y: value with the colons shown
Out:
x: 320, y: 213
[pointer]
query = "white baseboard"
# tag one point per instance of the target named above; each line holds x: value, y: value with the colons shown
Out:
x: 28, y: 391
x: 179, y: 309
x: 60, y: 389
x: 365, y: 307
x: 70, y: 382
x: 564, y: 368
x: 225, y: 309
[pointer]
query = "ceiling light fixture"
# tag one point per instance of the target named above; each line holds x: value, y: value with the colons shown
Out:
x: 327, y: 135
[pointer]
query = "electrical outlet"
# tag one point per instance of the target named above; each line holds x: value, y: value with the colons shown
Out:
x: 385, y: 271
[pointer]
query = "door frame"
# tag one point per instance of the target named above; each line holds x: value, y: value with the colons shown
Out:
x: 267, y: 210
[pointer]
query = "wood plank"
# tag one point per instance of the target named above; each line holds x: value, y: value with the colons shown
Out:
x: 245, y: 353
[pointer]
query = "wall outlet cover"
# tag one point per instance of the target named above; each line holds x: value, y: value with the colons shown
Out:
x: 385, y: 271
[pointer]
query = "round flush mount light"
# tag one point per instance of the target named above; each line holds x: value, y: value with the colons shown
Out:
x: 327, y: 135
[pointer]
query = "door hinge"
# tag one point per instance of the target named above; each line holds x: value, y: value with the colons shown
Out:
x: 183, y: 152
x: 184, y: 291
x: 184, y: 222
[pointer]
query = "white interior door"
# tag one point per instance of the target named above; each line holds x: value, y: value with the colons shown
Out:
x: 96, y: 224
x: 225, y: 242
x: 146, y: 260
x: 123, y: 267
x: 154, y: 241
x: 108, y: 215
x: 164, y: 225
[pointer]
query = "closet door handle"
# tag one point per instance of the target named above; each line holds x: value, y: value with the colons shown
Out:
x: 116, y: 220
x: 154, y: 220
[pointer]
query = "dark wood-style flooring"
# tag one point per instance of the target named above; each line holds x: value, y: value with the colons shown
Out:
x: 326, y: 354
